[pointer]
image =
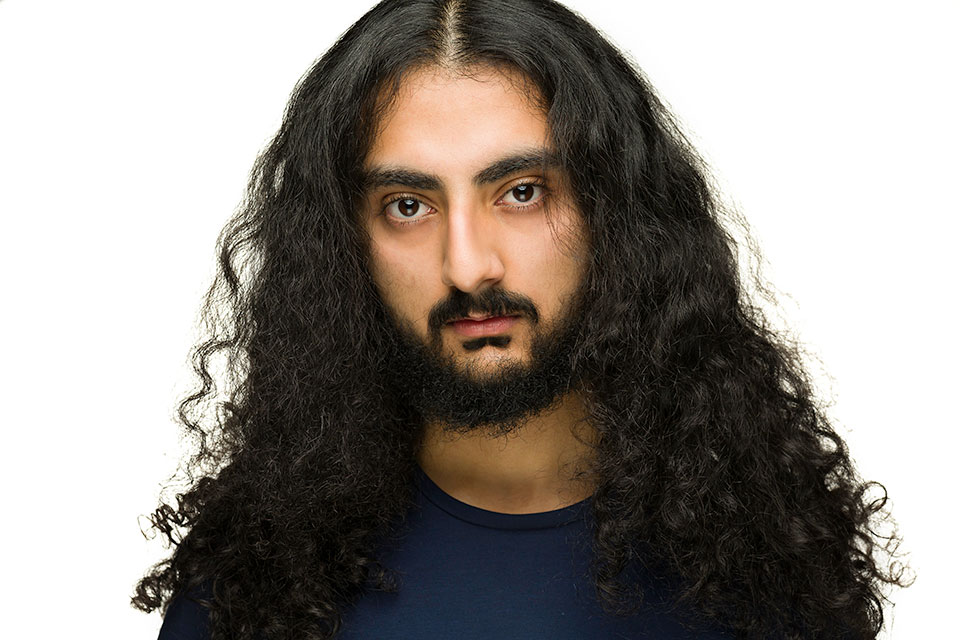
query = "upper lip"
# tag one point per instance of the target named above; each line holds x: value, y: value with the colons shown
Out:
x: 478, y: 317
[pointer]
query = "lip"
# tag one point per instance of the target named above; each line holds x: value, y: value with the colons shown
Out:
x: 489, y: 326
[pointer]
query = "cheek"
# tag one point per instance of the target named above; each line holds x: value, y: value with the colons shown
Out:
x: 398, y: 278
x: 552, y: 260
x: 572, y: 246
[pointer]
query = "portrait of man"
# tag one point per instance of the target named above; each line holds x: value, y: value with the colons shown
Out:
x: 495, y: 373
x: 488, y: 348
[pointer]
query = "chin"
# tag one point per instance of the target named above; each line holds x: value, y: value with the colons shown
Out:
x: 489, y: 363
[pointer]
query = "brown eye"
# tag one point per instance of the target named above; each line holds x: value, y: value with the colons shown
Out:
x: 523, y: 194
x: 406, y: 210
x: 407, y: 207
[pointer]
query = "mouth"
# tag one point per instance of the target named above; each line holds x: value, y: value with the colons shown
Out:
x: 480, y: 326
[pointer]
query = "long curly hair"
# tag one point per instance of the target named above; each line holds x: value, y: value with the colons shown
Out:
x: 715, y: 461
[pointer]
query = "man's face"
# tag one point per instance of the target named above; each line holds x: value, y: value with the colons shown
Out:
x: 475, y: 273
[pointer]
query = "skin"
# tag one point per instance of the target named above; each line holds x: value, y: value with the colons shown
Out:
x: 469, y: 236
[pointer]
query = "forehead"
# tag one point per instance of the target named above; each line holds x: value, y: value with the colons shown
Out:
x: 445, y: 120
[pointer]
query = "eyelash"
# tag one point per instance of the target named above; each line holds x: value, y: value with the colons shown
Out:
x: 406, y: 196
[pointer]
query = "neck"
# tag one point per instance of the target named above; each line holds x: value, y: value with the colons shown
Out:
x: 531, y: 470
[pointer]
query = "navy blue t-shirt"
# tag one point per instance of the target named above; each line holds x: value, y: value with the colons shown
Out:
x: 468, y: 573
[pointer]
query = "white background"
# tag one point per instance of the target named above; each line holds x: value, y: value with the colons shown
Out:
x: 126, y: 133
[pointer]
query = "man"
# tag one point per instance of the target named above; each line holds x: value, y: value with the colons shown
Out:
x: 493, y: 371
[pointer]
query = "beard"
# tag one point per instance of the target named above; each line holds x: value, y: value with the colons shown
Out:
x: 499, y: 397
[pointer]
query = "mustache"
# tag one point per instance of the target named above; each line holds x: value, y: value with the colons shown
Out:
x: 493, y: 302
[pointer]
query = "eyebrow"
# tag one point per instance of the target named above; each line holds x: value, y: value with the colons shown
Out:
x: 536, y: 158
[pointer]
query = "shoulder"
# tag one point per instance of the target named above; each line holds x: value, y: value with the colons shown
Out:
x: 186, y: 618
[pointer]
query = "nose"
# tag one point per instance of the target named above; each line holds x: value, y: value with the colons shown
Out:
x: 471, y: 257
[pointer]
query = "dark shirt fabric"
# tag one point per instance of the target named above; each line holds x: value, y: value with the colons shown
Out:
x: 468, y: 573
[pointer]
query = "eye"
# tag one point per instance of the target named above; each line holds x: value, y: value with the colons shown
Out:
x: 523, y: 195
x: 405, y: 210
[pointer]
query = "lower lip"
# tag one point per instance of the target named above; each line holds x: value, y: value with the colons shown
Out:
x: 487, y: 327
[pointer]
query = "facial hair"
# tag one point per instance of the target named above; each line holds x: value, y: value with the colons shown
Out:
x: 500, y: 399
